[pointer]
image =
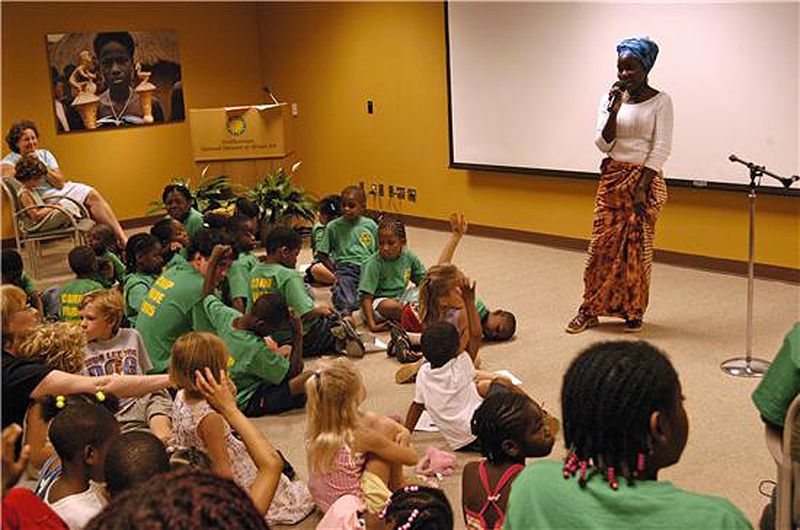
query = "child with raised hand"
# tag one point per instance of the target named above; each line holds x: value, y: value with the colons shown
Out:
x: 624, y: 422
x: 449, y: 387
x: 196, y: 423
x: 351, y: 451
x: 82, y: 427
x: 346, y: 244
x: 241, y: 232
x: 511, y: 427
x: 269, y: 378
x: 328, y: 209
x: 83, y: 262
x: 13, y: 273
x: 385, y: 275
x: 111, y: 270
x: 111, y: 350
x: 145, y: 262
x: 177, y: 201
x: 174, y: 240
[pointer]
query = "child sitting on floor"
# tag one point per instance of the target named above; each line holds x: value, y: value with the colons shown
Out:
x: 174, y: 239
x: 346, y: 244
x: 268, y: 380
x: 83, y: 262
x: 510, y: 427
x: 328, y: 209
x: 111, y: 350
x: 82, y: 427
x: 449, y: 387
x: 196, y: 423
x: 385, y: 275
x: 177, y: 201
x: 104, y: 243
x: 240, y: 231
x: 350, y: 451
x: 145, y: 263
x: 323, y: 331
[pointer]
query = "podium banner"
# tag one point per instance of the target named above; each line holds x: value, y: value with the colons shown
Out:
x: 240, y: 133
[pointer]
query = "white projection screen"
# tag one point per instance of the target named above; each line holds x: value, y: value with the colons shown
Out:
x: 525, y: 80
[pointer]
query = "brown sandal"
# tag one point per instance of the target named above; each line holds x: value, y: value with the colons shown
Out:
x: 580, y: 323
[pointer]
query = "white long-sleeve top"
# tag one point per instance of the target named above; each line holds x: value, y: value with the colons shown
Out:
x: 644, y: 131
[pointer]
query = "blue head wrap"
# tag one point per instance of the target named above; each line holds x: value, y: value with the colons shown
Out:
x: 642, y: 48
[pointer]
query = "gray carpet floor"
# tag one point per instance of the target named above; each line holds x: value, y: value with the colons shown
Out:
x: 697, y: 317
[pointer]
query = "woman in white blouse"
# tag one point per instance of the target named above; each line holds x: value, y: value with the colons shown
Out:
x: 634, y: 130
x: 23, y: 140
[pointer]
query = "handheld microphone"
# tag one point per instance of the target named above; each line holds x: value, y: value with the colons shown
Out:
x: 616, y: 93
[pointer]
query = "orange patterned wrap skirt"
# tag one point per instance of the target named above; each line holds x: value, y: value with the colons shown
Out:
x: 617, y: 275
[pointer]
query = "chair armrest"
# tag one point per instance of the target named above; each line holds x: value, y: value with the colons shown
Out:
x: 82, y: 207
x: 67, y: 213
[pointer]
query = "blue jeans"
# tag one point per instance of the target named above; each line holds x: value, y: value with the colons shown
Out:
x: 345, y: 290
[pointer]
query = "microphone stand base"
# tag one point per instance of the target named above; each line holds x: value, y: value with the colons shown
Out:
x: 745, y: 367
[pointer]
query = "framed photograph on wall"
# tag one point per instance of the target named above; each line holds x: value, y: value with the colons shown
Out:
x: 112, y: 79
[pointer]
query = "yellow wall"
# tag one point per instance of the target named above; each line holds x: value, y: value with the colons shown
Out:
x: 331, y: 58
x: 220, y: 66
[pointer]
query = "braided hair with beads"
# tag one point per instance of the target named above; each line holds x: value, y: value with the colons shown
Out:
x: 418, y: 508
x: 610, y: 391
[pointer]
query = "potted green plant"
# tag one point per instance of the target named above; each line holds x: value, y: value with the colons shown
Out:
x: 281, y: 201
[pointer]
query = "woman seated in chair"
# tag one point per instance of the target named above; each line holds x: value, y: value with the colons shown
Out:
x: 23, y: 140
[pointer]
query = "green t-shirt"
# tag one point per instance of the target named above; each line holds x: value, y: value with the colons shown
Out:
x: 317, y: 231
x: 251, y: 361
x: 388, y: 279
x: 72, y: 294
x: 482, y: 310
x: 275, y: 278
x: 193, y: 222
x: 137, y: 285
x: 350, y: 241
x: 172, y: 308
x: 239, y: 274
x: 781, y: 383
x: 541, y: 498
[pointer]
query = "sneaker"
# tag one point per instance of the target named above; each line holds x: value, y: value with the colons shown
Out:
x: 633, y: 325
x: 408, y: 356
x: 352, y: 344
x: 398, y: 340
x: 580, y: 323
x: 407, y: 373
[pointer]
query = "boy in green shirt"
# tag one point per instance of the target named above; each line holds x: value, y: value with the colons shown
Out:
x: 267, y: 382
x: 323, y: 330
x: 238, y: 279
x: 111, y: 269
x: 13, y: 272
x: 83, y: 262
x: 174, y: 305
x: 346, y: 244
x: 328, y: 209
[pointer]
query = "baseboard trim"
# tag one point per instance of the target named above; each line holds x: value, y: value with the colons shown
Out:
x: 680, y: 259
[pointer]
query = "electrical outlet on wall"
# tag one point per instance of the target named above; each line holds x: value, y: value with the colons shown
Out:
x: 412, y: 194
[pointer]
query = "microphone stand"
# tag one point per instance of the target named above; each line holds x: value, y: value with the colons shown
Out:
x: 749, y: 366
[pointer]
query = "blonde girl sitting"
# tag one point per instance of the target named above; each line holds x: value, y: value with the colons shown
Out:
x: 197, y: 360
x: 351, y: 451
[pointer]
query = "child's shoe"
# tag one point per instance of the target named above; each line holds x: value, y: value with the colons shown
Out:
x: 407, y: 373
x: 352, y: 345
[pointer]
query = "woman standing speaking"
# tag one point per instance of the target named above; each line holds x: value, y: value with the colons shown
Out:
x: 634, y: 129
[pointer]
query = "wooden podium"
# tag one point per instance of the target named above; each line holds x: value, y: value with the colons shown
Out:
x: 243, y: 142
